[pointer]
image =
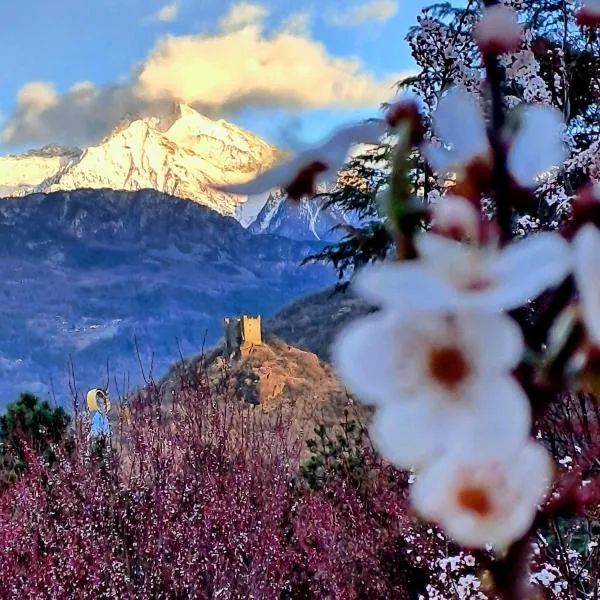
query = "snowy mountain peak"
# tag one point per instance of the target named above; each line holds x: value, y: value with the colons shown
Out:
x: 184, y: 110
x: 180, y: 152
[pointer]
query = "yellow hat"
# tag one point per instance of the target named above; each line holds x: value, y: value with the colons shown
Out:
x: 97, y: 400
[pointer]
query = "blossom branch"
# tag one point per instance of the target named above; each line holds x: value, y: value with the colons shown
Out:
x: 501, y: 189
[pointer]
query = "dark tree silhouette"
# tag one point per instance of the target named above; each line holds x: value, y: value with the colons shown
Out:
x: 32, y: 424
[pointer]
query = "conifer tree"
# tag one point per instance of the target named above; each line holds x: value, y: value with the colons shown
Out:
x: 558, y: 64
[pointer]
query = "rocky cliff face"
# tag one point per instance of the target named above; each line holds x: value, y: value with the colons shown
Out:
x: 100, y: 275
x: 181, y: 153
x: 292, y: 390
x: 304, y: 220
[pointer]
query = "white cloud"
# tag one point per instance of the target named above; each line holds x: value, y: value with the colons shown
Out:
x: 219, y: 74
x: 298, y: 23
x: 83, y: 113
x: 378, y: 11
x: 168, y: 12
x: 242, y: 15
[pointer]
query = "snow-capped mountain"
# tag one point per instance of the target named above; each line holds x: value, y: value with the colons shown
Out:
x: 21, y: 173
x: 304, y: 220
x: 180, y: 153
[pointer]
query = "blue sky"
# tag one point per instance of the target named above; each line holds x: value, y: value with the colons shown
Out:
x: 342, y: 56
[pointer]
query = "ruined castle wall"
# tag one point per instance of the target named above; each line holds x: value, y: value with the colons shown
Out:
x: 251, y: 330
x: 241, y: 334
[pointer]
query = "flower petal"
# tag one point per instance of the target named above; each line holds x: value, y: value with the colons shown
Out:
x: 458, y: 122
x: 477, y: 329
x: 460, y: 266
x: 363, y: 354
x: 332, y: 152
x: 500, y: 533
x: 528, y: 475
x: 533, y: 472
x: 586, y: 246
x: 455, y: 216
x: 430, y: 491
x: 537, y: 147
x: 442, y: 161
x: 409, y: 434
x: 498, y: 422
x: 275, y: 177
x: 493, y: 417
x: 508, y: 483
x: 528, y: 267
x: 440, y: 251
x: 370, y: 132
x: 403, y: 286
x: 589, y: 14
x: 498, y: 30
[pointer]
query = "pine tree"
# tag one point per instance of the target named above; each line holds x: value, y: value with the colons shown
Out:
x: 558, y: 65
x: 32, y: 423
x: 364, y: 182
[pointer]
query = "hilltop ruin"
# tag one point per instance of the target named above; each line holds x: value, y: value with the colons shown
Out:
x: 241, y: 335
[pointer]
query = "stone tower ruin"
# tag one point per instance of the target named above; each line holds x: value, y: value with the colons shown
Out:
x: 241, y: 334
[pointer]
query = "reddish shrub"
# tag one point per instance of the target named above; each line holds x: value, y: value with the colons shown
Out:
x: 199, y: 500
x: 204, y: 500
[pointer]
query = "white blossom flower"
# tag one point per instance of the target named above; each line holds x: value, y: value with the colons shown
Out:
x: 388, y: 357
x: 545, y: 576
x: 498, y: 31
x: 300, y: 175
x: 586, y: 246
x: 480, y: 502
x: 455, y: 217
x: 537, y: 148
x: 460, y: 124
x: 458, y: 121
x: 451, y: 275
x: 589, y: 13
x: 437, y: 380
x: 413, y: 434
x: 469, y: 561
x: 523, y: 67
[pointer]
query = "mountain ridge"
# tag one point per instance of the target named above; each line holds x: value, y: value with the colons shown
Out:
x: 181, y: 153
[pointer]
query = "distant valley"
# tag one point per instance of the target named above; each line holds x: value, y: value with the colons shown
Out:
x: 86, y: 273
x: 127, y: 242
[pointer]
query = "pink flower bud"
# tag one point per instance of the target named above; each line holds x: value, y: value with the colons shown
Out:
x: 304, y: 183
x: 406, y: 111
x: 498, y: 31
x: 589, y: 14
x: 588, y: 196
